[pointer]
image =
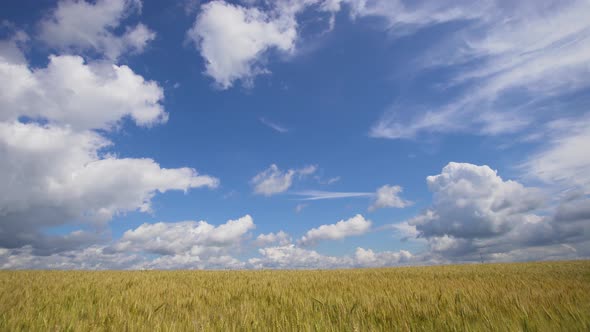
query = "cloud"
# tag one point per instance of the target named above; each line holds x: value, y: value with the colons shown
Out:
x: 53, y: 175
x: 84, y: 96
x: 476, y: 214
x: 56, y: 169
x: 388, y: 197
x: 274, y: 126
x: 281, y: 238
x: 234, y: 39
x: 274, y: 181
x: 89, y: 258
x: 261, y: 29
x: 180, y: 245
x: 10, y: 49
x: 368, y: 258
x: 407, y: 231
x: 314, y: 195
x: 473, y: 201
x: 509, y: 50
x: 300, y: 207
x: 354, y: 226
x: 293, y: 257
x: 190, y: 262
x: 199, y: 239
x: 79, y: 26
x: 403, y: 18
x: 328, y: 181
x: 563, y: 159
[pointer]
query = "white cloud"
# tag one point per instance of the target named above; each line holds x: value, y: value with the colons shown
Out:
x: 328, y: 181
x: 10, y: 49
x: 280, y: 238
x: 84, y: 96
x: 473, y: 201
x: 196, y: 239
x: 354, y: 226
x: 181, y: 245
x: 564, y: 159
x: 55, y: 168
x: 510, y: 49
x: 83, y: 26
x: 477, y: 215
x: 257, y: 28
x: 388, y: 197
x: 300, y: 207
x: 368, y: 258
x: 293, y: 257
x: 314, y: 195
x: 407, y: 231
x: 101, y: 258
x: 274, y: 181
x: 234, y: 39
x: 91, y: 258
x: 274, y: 126
x: 190, y: 262
x: 402, y: 17
x: 54, y: 175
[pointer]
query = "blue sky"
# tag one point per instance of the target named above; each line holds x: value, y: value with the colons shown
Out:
x: 293, y: 133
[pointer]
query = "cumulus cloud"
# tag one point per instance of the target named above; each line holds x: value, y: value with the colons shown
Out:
x: 369, y: 258
x: 90, y: 258
x: 97, y: 257
x: 233, y: 40
x: 274, y: 181
x: 56, y: 168
x: 388, y: 197
x: 81, y: 26
x: 199, y: 239
x: 84, y: 96
x: 191, y: 262
x: 54, y: 175
x: 10, y: 49
x: 354, y: 226
x: 280, y: 238
x: 476, y: 214
x: 293, y: 257
x: 472, y: 200
x: 180, y: 245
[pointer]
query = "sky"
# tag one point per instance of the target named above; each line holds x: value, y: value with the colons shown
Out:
x: 293, y: 134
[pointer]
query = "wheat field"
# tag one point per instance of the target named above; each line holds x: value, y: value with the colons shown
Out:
x: 549, y: 296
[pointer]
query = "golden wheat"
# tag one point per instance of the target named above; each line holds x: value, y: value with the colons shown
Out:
x: 550, y: 296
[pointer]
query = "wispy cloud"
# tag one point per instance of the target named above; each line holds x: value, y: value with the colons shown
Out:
x: 274, y: 126
x: 314, y: 195
x: 513, y: 51
x: 300, y: 207
x: 328, y: 181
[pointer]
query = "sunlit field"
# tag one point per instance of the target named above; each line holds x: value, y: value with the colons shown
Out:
x: 550, y: 296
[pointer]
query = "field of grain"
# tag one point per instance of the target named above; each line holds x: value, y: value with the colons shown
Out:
x: 552, y: 296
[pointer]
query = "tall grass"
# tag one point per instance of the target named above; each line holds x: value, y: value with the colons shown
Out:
x: 552, y: 296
